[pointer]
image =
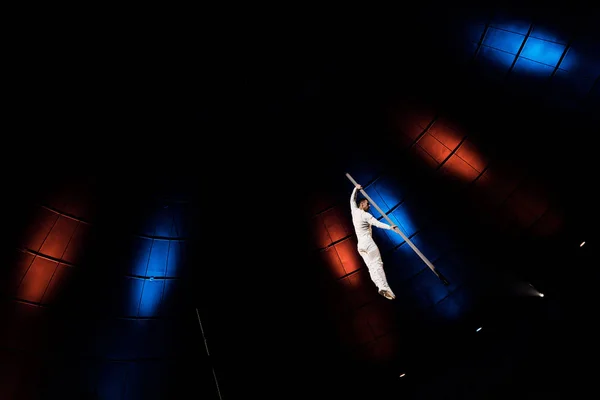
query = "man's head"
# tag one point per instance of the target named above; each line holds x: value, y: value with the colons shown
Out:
x: 363, y: 204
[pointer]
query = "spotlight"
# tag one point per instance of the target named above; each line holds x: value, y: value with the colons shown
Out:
x: 478, y: 329
x: 582, y: 243
x: 401, y: 375
x: 541, y: 294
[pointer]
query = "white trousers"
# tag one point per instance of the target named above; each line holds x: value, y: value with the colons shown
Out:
x: 372, y: 257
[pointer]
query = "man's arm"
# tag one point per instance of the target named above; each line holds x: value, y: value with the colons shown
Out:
x: 353, y: 198
x: 375, y: 222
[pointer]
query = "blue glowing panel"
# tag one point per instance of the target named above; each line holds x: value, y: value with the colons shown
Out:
x: 364, y: 173
x: 406, y: 224
x: 151, y: 298
x: 502, y: 40
x: 510, y: 24
x: 157, y: 265
x: 389, y: 197
x: 141, y: 253
x: 543, y: 51
x: 530, y: 67
x: 376, y: 198
x: 392, y: 237
x: 544, y: 33
x: 174, y: 259
x: 134, y: 288
x: 496, y: 57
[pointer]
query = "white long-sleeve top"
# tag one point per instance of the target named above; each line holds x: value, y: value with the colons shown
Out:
x: 363, y: 221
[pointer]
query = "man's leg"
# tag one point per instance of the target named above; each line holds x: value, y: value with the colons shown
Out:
x: 372, y: 258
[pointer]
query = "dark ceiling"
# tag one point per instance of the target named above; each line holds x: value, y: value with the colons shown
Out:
x: 178, y: 223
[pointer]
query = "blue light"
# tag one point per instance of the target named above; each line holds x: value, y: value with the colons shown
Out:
x: 405, y: 222
x: 387, y: 198
x: 524, y: 65
x: 543, y: 51
x: 173, y: 260
x: 157, y: 265
x: 154, y: 260
x: 503, y: 40
x: 156, y: 257
x: 501, y: 58
x: 544, y: 33
x: 151, y: 298
x: 140, y: 255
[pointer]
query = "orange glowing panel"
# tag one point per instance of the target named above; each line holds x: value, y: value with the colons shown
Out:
x: 469, y: 152
x: 319, y: 233
x: 75, y: 248
x: 38, y: 229
x: 458, y: 168
x: 332, y: 261
x: 434, y: 148
x: 336, y: 224
x: 445, y: 134
x: 62, y: 276
x: 349, y: 256
x: 36, y: 280
x: 57, y: 241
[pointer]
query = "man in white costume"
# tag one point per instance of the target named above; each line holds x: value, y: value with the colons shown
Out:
x: 363, y: 222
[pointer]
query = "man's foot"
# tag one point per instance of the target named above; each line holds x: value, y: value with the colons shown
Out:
x: 387, y: 294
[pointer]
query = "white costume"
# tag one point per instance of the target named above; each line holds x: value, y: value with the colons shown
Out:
x: 363, y: 222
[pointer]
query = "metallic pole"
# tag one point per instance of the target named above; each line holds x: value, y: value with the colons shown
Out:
x: 399, y: 231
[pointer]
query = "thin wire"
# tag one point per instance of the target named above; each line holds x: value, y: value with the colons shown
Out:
x: 208, y: 353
